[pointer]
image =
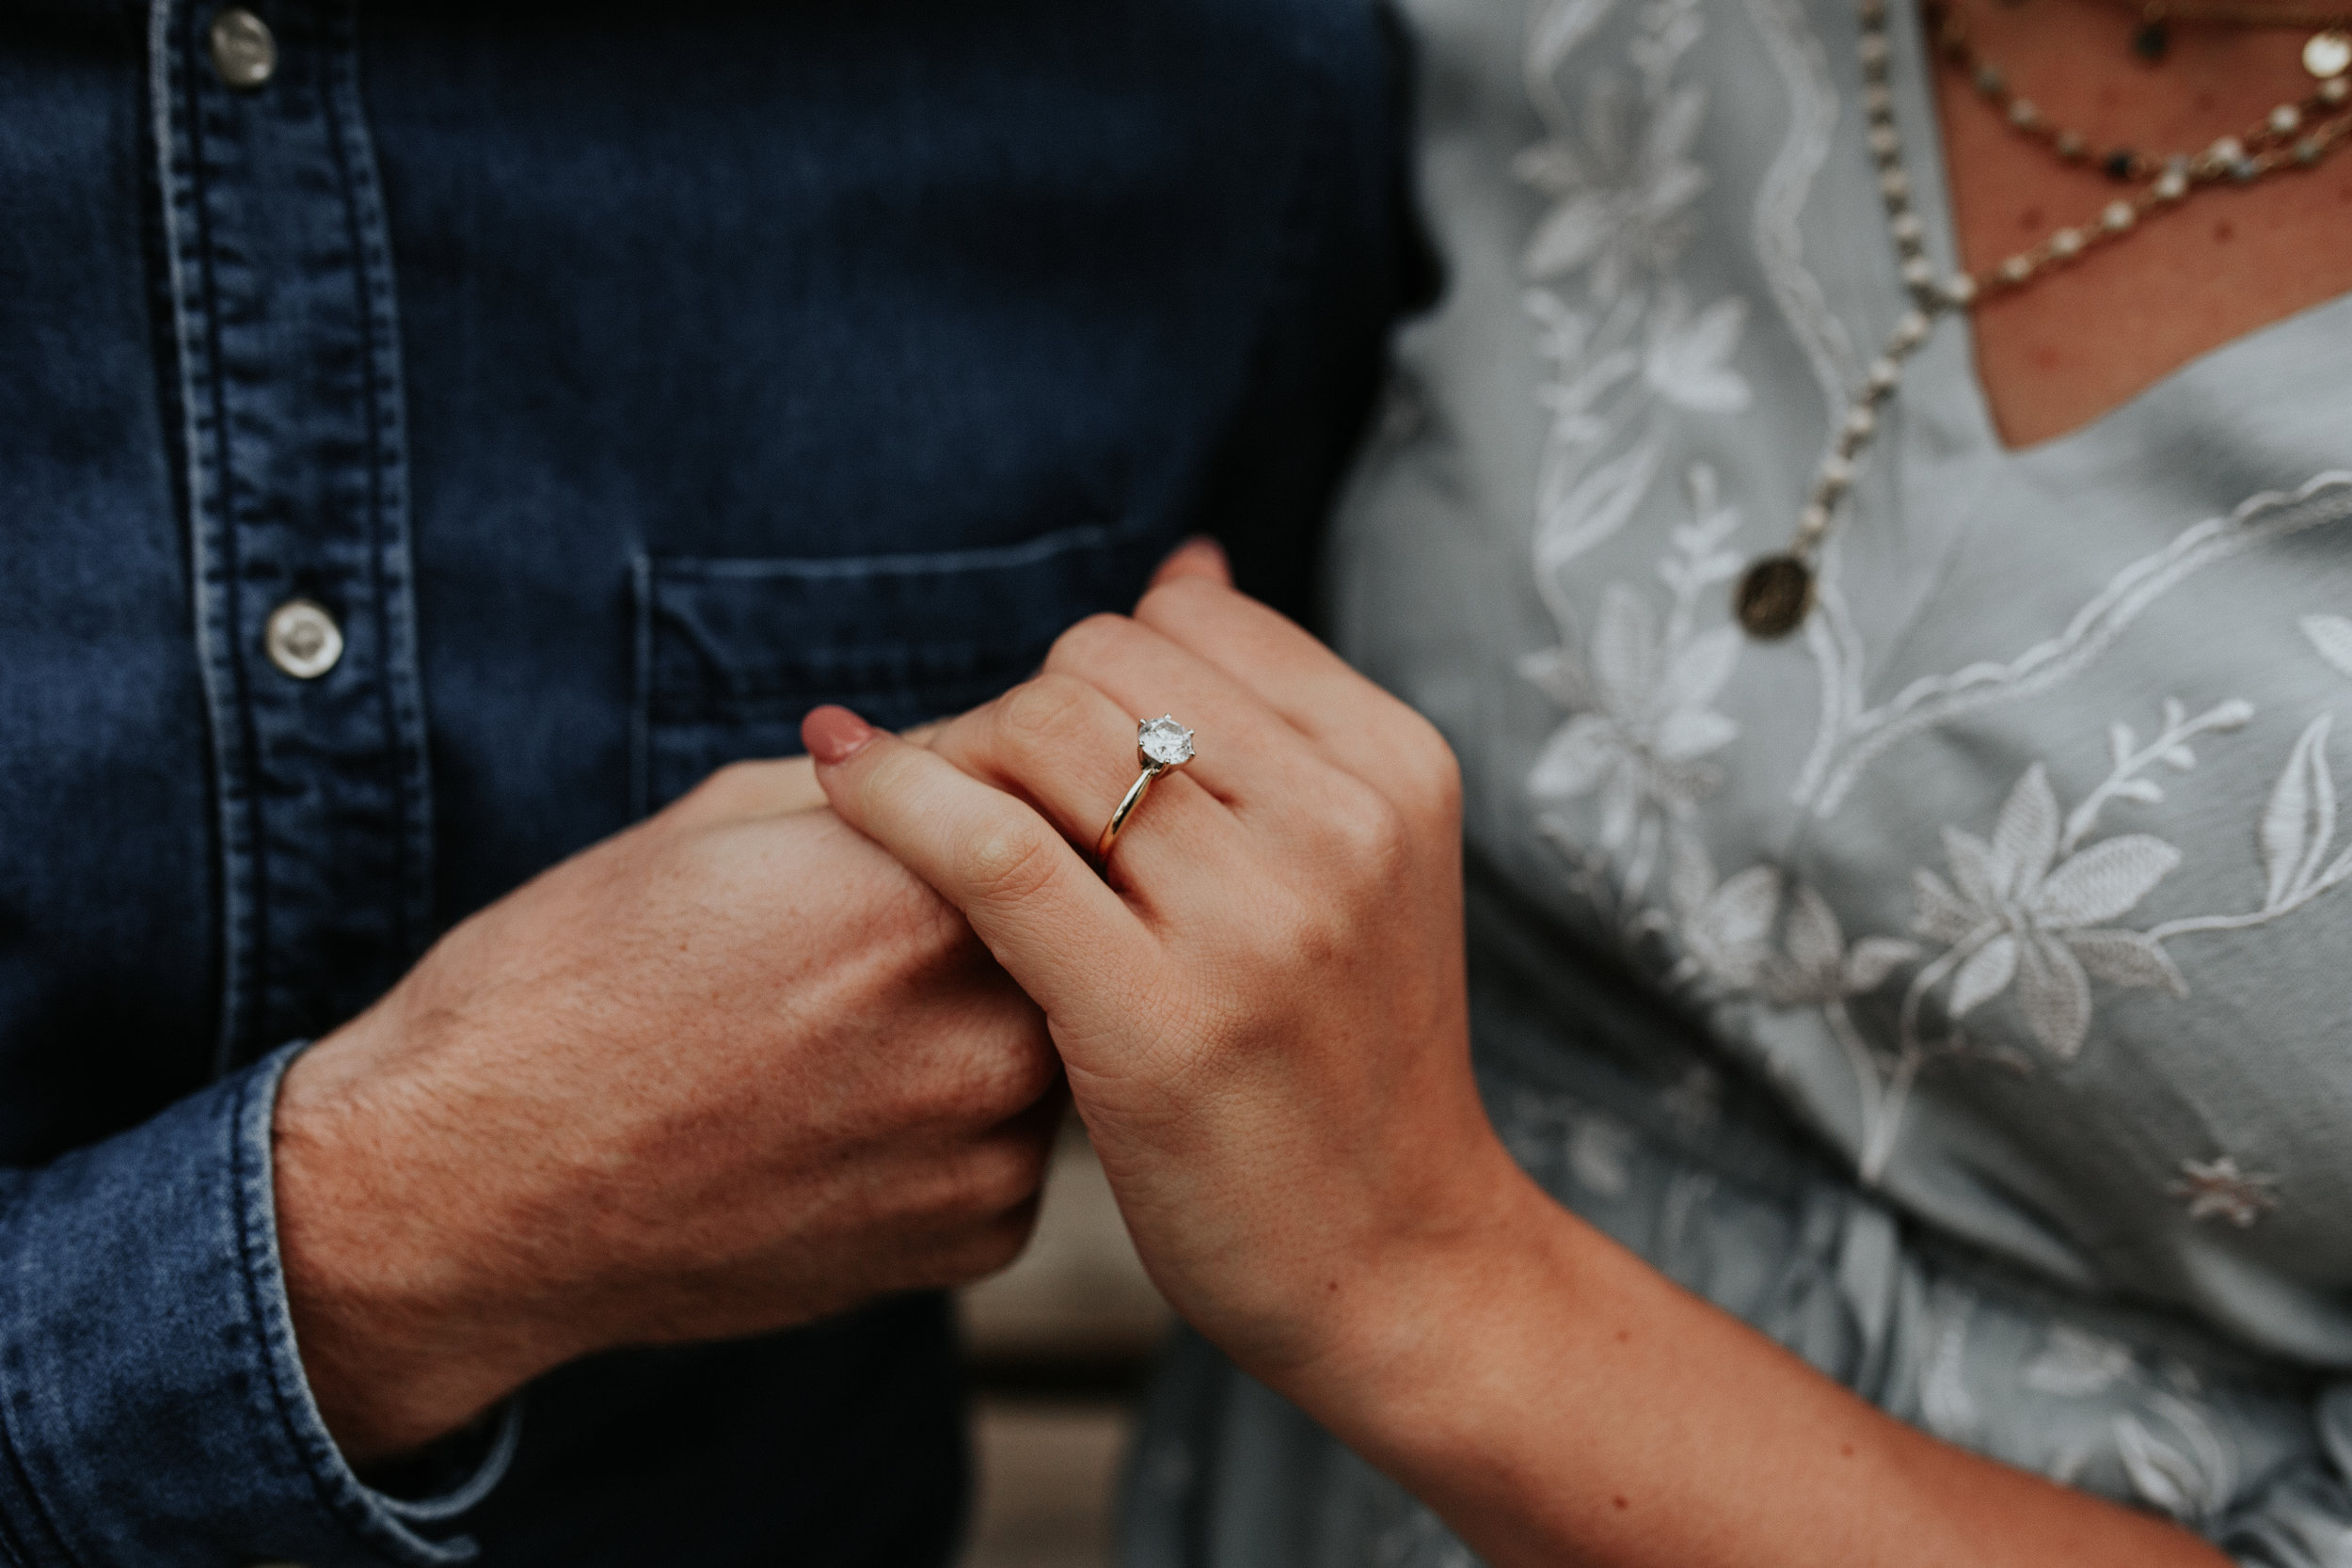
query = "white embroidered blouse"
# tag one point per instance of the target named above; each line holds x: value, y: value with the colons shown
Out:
x: 1961, y: 991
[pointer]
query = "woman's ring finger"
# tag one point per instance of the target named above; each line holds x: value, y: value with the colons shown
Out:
x: 1161, y: 744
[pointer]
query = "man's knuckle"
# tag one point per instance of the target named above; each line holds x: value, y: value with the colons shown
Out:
x: 1023, y: 1074
x: 1001, y: 1080
x: 1020, y: 1173
x: 994, y: 1180
x: 993, y: 1247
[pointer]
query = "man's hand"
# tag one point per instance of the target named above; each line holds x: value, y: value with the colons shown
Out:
x: 730, y: 1070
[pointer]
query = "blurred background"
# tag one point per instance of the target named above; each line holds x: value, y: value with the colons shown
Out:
x: 1061, y: 1344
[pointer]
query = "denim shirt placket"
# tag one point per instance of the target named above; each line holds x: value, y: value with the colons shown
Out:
x: 295, y: 489
x: 295, y: 475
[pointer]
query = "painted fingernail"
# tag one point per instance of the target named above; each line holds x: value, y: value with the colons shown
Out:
x: 834, y: 734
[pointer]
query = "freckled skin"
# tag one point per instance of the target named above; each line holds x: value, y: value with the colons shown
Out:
x: 2231, y: 261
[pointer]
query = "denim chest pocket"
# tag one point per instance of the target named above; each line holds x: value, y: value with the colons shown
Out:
x: 732, y: 654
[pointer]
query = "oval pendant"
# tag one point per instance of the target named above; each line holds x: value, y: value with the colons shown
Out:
x: 2327, y: 54
x: 1773, y: 596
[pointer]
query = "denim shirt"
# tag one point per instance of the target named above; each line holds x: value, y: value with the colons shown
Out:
x: 612, y: 384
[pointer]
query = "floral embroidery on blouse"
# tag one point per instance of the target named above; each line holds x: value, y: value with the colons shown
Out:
x: 2032, y: 913
x: 2332, y: 636
x: 2216, y: 1189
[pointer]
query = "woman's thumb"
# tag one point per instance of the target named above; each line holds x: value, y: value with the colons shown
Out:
x: 1196, y: 557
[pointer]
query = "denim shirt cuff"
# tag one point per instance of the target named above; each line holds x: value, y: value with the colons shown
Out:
x: 153, y: 1402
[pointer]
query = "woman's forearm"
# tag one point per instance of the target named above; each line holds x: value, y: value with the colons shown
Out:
x: 1262, y: 1007
x: 1558, y: 1401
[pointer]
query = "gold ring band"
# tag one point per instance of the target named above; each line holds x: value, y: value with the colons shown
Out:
x: 1161, y: 745
x: 1128, y: 805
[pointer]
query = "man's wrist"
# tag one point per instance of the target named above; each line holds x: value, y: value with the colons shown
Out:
x: 379, y: 1280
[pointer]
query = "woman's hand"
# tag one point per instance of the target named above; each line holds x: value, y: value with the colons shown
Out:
x: 1261, y: 1008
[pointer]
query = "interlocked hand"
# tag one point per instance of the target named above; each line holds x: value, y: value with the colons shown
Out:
x: 1260, y: 1000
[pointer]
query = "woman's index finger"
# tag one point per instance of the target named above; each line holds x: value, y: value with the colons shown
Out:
x: 1063, y: 935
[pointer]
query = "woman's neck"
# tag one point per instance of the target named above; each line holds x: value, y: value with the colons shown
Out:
x: 2058, y: 354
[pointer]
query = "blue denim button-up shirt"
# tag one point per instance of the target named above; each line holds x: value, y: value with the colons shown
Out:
x: 622, y: 381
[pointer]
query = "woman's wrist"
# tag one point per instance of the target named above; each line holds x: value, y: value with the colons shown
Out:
x: 1400, y: 1345
x: 1555, y: 1399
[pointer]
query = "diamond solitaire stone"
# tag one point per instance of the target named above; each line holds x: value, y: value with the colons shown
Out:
x: 1163, y: 742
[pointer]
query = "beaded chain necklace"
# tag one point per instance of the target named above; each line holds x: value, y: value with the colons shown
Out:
x: 2326, y: 53
x: 2125, y: 165
x: 1775, y: 593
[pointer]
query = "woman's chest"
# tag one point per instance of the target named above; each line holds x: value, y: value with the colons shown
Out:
x: 2018, y: 873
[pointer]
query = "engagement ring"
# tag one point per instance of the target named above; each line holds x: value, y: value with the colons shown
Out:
x: 1160, y: 744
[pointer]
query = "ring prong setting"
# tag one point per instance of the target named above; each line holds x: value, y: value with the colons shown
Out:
x: 1161, y: 742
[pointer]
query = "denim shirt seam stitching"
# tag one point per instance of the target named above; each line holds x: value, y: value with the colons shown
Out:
x: 376, y: 304
x: 249, y: 1266
x: 1029, y: 552
x: 344, y: 1499
x: 249, y: 914
x: 212, y: 579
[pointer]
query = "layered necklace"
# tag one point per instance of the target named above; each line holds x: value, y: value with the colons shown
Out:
x: 2326, y: 53
x: 1776, y: 592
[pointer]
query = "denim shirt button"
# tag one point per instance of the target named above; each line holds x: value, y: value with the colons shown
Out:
x: 243, y: 51
x: 303, y: 640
